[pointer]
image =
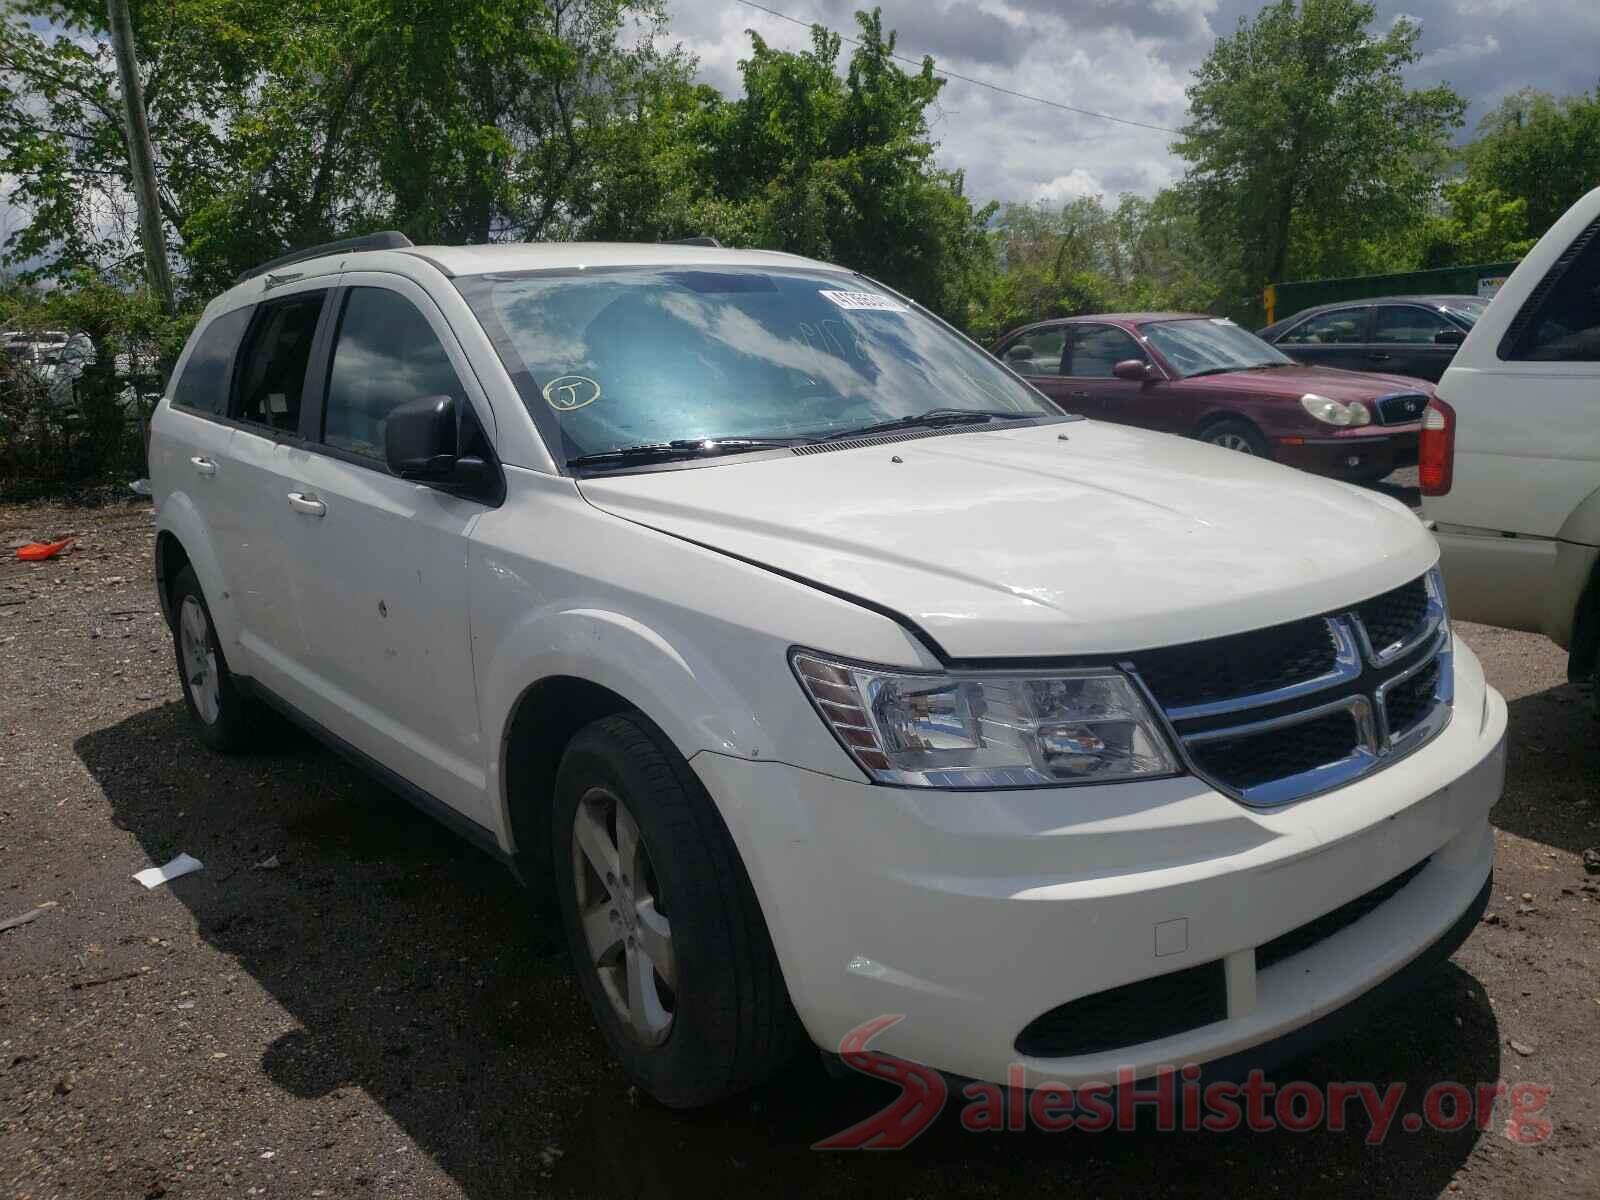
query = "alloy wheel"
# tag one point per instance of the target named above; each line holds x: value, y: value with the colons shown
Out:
x: 628, y: 936
x: 1233, y: 441
x: 199, y: 660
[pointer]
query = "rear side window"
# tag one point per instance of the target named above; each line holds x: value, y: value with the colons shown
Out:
x: 1037, y: 353
x: 203, y: 386
x: 1341, y: 327
x: 386, y: 355
x: 1563, y: 322
x: 272, y: 366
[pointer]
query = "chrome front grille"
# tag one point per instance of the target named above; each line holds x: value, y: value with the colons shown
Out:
x: 1401, y: 407
x: 1288, y: 712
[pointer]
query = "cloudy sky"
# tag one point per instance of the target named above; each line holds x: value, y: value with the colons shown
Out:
x: 1132, y: 59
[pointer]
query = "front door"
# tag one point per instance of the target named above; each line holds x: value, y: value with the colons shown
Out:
x: 1092, y: 351
x: 380, y: 562
x: 1404, y: 341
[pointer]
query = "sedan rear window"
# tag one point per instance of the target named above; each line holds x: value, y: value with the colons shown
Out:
x: 606, y: 359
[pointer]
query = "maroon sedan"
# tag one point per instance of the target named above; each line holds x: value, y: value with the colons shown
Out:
x: 1206, y: 377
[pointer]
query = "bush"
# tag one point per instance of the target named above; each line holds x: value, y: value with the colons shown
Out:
x: 78, y: 436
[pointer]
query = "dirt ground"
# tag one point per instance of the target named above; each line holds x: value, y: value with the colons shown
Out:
x: 349, y: 1002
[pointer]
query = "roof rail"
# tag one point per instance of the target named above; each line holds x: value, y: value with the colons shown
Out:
x: 693, y: 241
x: 389, y: 239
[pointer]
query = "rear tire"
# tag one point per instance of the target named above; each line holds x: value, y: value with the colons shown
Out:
x: 1237, y: 435
x: 225, y: 719
x: 667, y: 937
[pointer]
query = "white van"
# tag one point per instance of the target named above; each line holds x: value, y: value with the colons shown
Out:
x: 1510, y: 450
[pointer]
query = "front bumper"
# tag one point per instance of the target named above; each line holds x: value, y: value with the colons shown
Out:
x: 1356, y: 453
x: 971, y: 914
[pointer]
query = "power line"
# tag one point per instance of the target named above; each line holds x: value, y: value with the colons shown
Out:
x: 994, y: 87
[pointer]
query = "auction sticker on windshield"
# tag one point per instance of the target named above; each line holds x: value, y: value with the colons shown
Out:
x: 865, y: 300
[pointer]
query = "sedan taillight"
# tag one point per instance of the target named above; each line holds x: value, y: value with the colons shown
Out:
x: 1436, y: 448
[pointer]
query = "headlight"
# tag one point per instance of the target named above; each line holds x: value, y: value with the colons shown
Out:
x: 1334, y: 412
x: 985, y: 731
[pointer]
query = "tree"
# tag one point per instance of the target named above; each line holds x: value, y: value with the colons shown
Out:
x: 1085, y: 257
x: 1481, y: 225
x: 1304, y: 139
x: 841, y: 168
x: 281, y: 125
x: 1539, y: 149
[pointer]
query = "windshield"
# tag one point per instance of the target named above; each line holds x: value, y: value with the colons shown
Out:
x: 1465, y: 308
x: 612, y: 359
x: 1199, y: 345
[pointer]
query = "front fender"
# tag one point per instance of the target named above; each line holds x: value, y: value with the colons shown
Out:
x: 181, y: 519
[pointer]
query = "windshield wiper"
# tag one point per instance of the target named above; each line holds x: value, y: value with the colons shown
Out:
x: 933, y: 418
x: 679, y: 448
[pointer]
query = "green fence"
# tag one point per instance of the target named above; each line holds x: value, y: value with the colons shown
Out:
x: 1285, y: 299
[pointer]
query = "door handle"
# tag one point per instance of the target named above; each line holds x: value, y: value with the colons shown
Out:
x: 309, y: 505
x: 1381, y: 357
x: 1077, y: 395
x: 203, y: 466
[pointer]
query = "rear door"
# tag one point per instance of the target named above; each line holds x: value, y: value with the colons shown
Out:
x: 1336, y: 338
x: 379, y: 563
x: 1093, y: 349
x: 1405, y: 341
x: 270, y: 385
x: 1036, y: 355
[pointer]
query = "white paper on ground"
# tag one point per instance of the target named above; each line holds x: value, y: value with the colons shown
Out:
x: 156, y: 876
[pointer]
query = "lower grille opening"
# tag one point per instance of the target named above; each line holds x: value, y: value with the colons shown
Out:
x: 1245, y: 762
x: 1299, y: 940
x: 1144, y: 1011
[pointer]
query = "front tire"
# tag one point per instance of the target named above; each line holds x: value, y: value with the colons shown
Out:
x: 225, y: 720
x: 1237, y: 435
x: 667, y: 937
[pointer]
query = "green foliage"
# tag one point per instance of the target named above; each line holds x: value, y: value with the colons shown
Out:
x: 1540, y: 149
x: 1142, y: 255
x: 54, y: 444
x: 1304, y: 139
x: 1481, y: 225
x: 812, y: 162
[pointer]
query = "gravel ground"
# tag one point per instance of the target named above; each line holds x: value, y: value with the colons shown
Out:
x: 349, y: 1002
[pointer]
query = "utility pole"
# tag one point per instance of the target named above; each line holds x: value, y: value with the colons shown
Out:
x: 141, y: 158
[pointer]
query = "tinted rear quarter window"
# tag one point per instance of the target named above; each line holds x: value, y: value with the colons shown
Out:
x: 203, y: 386
x: 1562, y: 323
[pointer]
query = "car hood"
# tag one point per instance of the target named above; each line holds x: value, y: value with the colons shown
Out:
x: 1061, y: 539
x: 1295, y: 381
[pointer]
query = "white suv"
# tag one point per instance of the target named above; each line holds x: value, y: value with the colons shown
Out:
x: 820, y: 666
x: 1510, y: 450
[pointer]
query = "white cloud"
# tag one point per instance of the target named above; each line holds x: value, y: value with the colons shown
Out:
x: 1465, y: 51
x: 1127, y: 58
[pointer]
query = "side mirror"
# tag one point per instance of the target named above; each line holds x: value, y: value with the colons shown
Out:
x: 1019, y: 353
x: 1134, y: 370
x: 1449, y: 337
x: 420, y: 439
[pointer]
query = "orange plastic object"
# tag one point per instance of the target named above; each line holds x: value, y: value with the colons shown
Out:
x: 39, y: 551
